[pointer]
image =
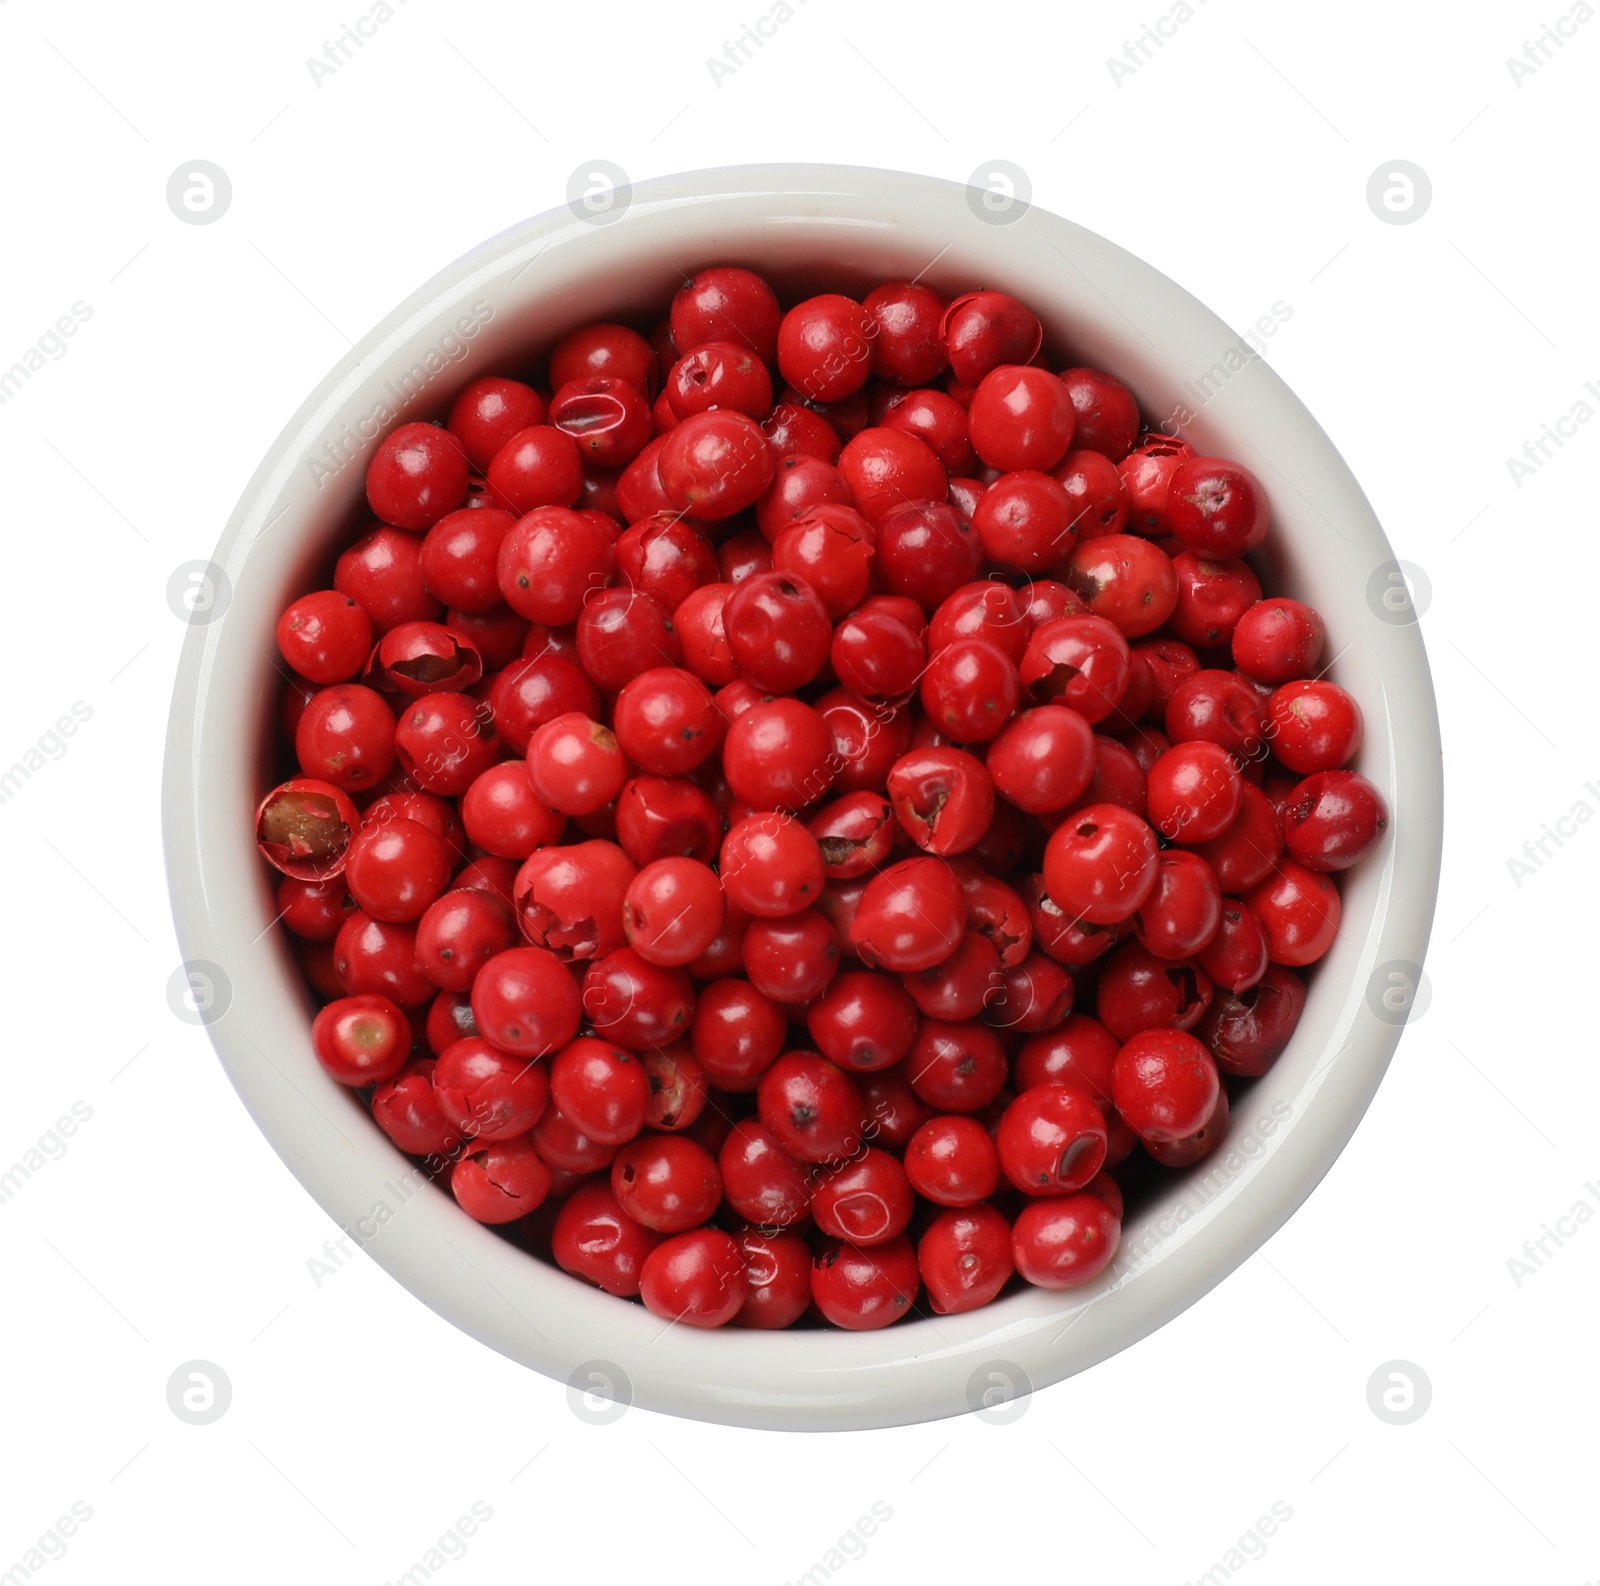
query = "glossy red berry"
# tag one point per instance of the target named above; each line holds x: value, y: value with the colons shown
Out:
x: 1139, y: 991
x: 770, y: 865
x: 860, y: 1289
x: 1021, y: 417
x: 1236, y: 957
x: 540, y: 466
x: 1026, y: 521
x: 1278, y: 640
x: 942, y: 798
x: 812, y: 1109
x: 607, y: 416
x: 418, y: 474
x: 601, y: 1089
x: 445, y: 742
x: 1164, y: 1084
x: 575, y: 765
x: 1216, y: 507
x: 1193, y: 792
x: 673, y: 910
x: 487, y: 1094
x: 361, y: 1040
x: 1333, y: 820
x: 1107, y: 412
x: 965, y: 1258
x: 1247, y: 1031
x: 907, y: 348
x: 1100, y: 864
x: 1299, y: 909
x: 1079, y: 661
x: 500, y: 1181
x: 383, y: 572
x: 911, y: 916
x: 969, y: 690
x: 867, y: 1200
x: 762, y: 1181
x: 666, y: 1182
x: 887, y: 467
x: 596, y: 1240
x: 778, y: 630
x: 696, y: 1278
x: 956, y: 1067
x: 346, y: 735
x: 715, y: 464
x: 952, y: 1161
x: 1212, y: 598
x: 1218, y: 707
x: 325, y: 636
x: 372, y: 957
x: 1244, y: 853
x: 726, y: 303
x: 407, y: 1110
x: 1181, y: 915
x: 863, y: 1021
x: 1043, y: 759
x: 551, y: 561
x: 778, y: 1279
x: 792, y: 959
x: 1313, y: 725
x: 666, y: 722
x: 926, y: 550
x: 1129, y: 581
x: 488, y: 412
x: 459, y: 933
x: 1063, y: 1241
x: 396, y: 868
x: 1051, y: 1140
x: 982, y: 330
x: 637, y: 1004
x: 825, y: 347
x: 1146, y: 474
x: 525, y: 1001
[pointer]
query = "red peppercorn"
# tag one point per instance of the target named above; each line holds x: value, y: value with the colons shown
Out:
x: 1333, y: 820
x: 596, y: 1240
x: 867, y: 1200
x: 1216, y: 507
x: 1278, y: 640
x: 1314, y: 725
x: 715, y: 464
x: 726, y: 303
x: 361, y: 1040
x: 719, y: 374
x: 1164, y: 1084
x: 1299, y: 909
x: 982, y: 330
x: 1021, y: 417
x: 860, y: 1289
x: 1064, y: 1241
x: 418, y: 474
x: 911, y: 916
x: 952, y: 1161
x: 500, y: 1181
x: 778, y: 1279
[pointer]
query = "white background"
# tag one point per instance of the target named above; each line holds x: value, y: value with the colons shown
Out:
x: 1236, y: 159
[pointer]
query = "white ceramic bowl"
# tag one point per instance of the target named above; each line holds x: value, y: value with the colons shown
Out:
x: 801, y: 225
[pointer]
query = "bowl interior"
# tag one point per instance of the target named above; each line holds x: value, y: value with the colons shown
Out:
x: 807, y: 228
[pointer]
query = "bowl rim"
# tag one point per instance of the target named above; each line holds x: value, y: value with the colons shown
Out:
x: 1300, y: 1117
